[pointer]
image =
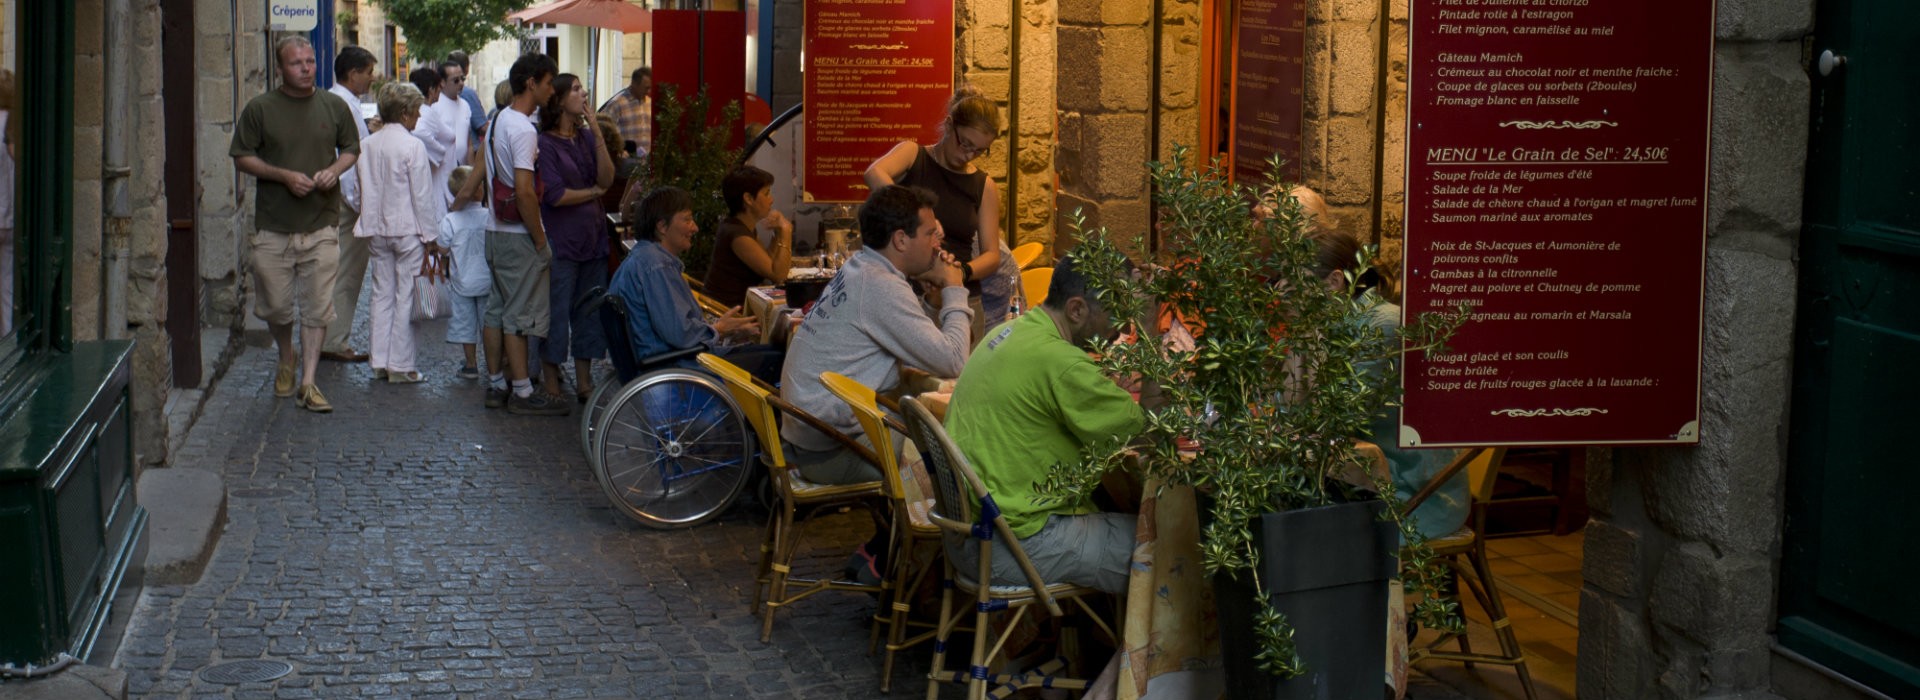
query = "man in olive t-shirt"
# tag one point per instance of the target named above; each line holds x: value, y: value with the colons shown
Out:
x: 297, y: 141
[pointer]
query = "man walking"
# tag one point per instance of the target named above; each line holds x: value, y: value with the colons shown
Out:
x: 517, y: 251
x: 297, y: 142
x: 352, y: 76
x: 632, y: 110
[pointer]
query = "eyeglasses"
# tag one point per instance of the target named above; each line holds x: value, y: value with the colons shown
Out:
x: 970, y: 149
x: 460, y: 79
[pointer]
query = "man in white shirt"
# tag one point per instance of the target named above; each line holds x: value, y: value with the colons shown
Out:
x: 450, y: 114
x: 517, y: 250
x: 352, y: 76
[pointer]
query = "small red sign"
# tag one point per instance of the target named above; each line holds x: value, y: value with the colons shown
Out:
x: 1556, y: 182
x: 1269, y: 75
x: 876, y: 74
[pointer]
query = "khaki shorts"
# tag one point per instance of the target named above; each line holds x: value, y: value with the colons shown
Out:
x: 295, y: 268
x: 521, y: 286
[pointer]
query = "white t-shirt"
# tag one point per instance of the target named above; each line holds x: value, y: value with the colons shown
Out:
x: 514, y: 145
x: 349, y: 180
x: 451, y: 115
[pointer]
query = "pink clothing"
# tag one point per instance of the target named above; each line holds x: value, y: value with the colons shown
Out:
x: 396, y: 187
x: 396, y: 262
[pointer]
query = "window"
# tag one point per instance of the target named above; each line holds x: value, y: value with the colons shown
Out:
x: 36, y: 69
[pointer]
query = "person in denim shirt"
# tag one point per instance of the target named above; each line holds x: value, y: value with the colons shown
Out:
x: 662, y: 315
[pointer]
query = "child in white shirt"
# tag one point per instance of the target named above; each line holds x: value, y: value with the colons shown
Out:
x: 464, y: 231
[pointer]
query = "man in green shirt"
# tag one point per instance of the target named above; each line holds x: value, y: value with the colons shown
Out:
x: 297, y: 141
x: 1031, y: 398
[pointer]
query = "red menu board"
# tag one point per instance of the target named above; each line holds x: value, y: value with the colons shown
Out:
x: 1556, y: 183
x: 877, y: 72
x: 1269, y: 73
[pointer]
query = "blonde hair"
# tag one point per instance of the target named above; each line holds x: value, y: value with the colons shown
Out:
x: 1315, y: 206
x: 460, y: 175
x: 971, y: 109
x: 399, y: 99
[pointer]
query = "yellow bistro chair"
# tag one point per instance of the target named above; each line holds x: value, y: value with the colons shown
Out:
x: 905, y: 534
x: 791, y: 494
x: 1026, y: 253
x: 956, y: 491
x: 1033, y: 285
x: 1483, y: 470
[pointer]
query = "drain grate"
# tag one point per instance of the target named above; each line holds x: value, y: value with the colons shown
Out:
x: 248, y: 671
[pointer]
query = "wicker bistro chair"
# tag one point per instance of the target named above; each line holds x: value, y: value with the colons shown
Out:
x: 1483, y: 469
x: 956, y: 489
x: 792, y: 494
x: 908, y: 530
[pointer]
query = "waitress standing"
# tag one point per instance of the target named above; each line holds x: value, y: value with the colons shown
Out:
x: 969, y: 205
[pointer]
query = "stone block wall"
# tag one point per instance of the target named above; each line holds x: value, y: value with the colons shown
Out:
x: 1342, y: 107
x: 984, y: 56
x: 1105, y: 72
x: 1683, y: 550
x: 232, y: 51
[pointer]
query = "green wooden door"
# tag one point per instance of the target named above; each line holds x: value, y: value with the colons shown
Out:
x: 1852, y: 555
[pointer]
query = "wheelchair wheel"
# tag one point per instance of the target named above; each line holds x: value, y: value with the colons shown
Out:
x: 672, y: 449
x: 604, y: 388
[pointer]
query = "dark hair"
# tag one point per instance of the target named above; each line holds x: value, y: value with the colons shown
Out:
x: 892, y: 208
x: 641, y: 72
x: 973, y: 110
x: 743, y: 182
x: 552, y: 112
x: 659, y: 207
x: 459, y: 57
x: 444, y: 65
x: 1068, y: 282
x: 352, y: 58
x: 427, y: 79
x: 529, y: 68
x: 1334, y: 250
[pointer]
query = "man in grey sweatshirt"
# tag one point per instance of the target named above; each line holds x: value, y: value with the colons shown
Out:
x: 868, y: 323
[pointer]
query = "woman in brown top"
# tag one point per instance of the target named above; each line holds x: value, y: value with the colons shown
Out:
x: 739, y: 261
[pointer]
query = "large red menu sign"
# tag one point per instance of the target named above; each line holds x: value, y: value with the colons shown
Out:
x: 1556, y: 177
x: 1269, y: 75
x: 877, y: 72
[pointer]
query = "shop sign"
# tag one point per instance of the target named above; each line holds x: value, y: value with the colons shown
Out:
x: 1269, y: 76
x: 1556, y: 183
x: 293, y: 15
x: 877, y: 72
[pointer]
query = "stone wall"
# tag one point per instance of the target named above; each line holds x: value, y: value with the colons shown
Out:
x: 985, y: 57
x: 1682, y: 551
x: 232, y: 55
x: 1106, y: 81
x: 119, y: 206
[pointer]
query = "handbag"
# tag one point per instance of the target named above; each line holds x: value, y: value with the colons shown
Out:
x: 432, y: 295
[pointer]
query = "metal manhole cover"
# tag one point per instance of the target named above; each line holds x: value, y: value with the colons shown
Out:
x: 260, y: 493
x: 249, y: 671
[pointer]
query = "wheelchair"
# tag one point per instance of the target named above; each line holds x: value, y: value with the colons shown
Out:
x: 668, y: 444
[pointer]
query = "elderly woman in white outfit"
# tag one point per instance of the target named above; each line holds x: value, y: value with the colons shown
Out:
x: 400, y: 212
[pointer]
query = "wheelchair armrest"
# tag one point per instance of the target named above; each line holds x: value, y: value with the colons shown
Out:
x: 651, y: 361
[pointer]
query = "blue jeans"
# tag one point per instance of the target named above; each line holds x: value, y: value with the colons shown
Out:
x: 569, y: 327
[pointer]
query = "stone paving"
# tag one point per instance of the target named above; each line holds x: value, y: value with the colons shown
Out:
x: 416, y: 544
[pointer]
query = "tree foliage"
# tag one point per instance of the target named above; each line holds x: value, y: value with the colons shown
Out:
x: 693, y: 152
x: 435, y: 28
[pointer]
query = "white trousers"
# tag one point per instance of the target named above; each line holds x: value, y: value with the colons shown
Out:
x: 396, y: 262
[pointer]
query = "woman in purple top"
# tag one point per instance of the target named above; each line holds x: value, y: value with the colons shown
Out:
x: 574, y: 171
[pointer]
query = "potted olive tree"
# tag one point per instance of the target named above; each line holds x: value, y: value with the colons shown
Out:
x: 1284, y: 373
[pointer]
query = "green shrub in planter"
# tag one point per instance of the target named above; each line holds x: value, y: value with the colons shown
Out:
x: 1286, y: 372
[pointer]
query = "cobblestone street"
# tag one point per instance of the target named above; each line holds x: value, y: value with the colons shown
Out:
x: 416, y: 544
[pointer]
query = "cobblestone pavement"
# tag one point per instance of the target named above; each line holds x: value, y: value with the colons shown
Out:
x: 414, y: 544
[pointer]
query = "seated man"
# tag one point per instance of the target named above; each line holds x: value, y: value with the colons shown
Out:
x: 661, y: 313
x: 1032, y: 398
x: 868, y: 323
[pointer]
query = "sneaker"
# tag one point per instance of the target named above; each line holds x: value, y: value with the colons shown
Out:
x: 413, y: 377
x: 379, y: 373
x: 283, y: 381
x: 496, y: 397
x: 311, y: 399
x: 468, y: 372
x: 862, y: 568
x: 538, y: 403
